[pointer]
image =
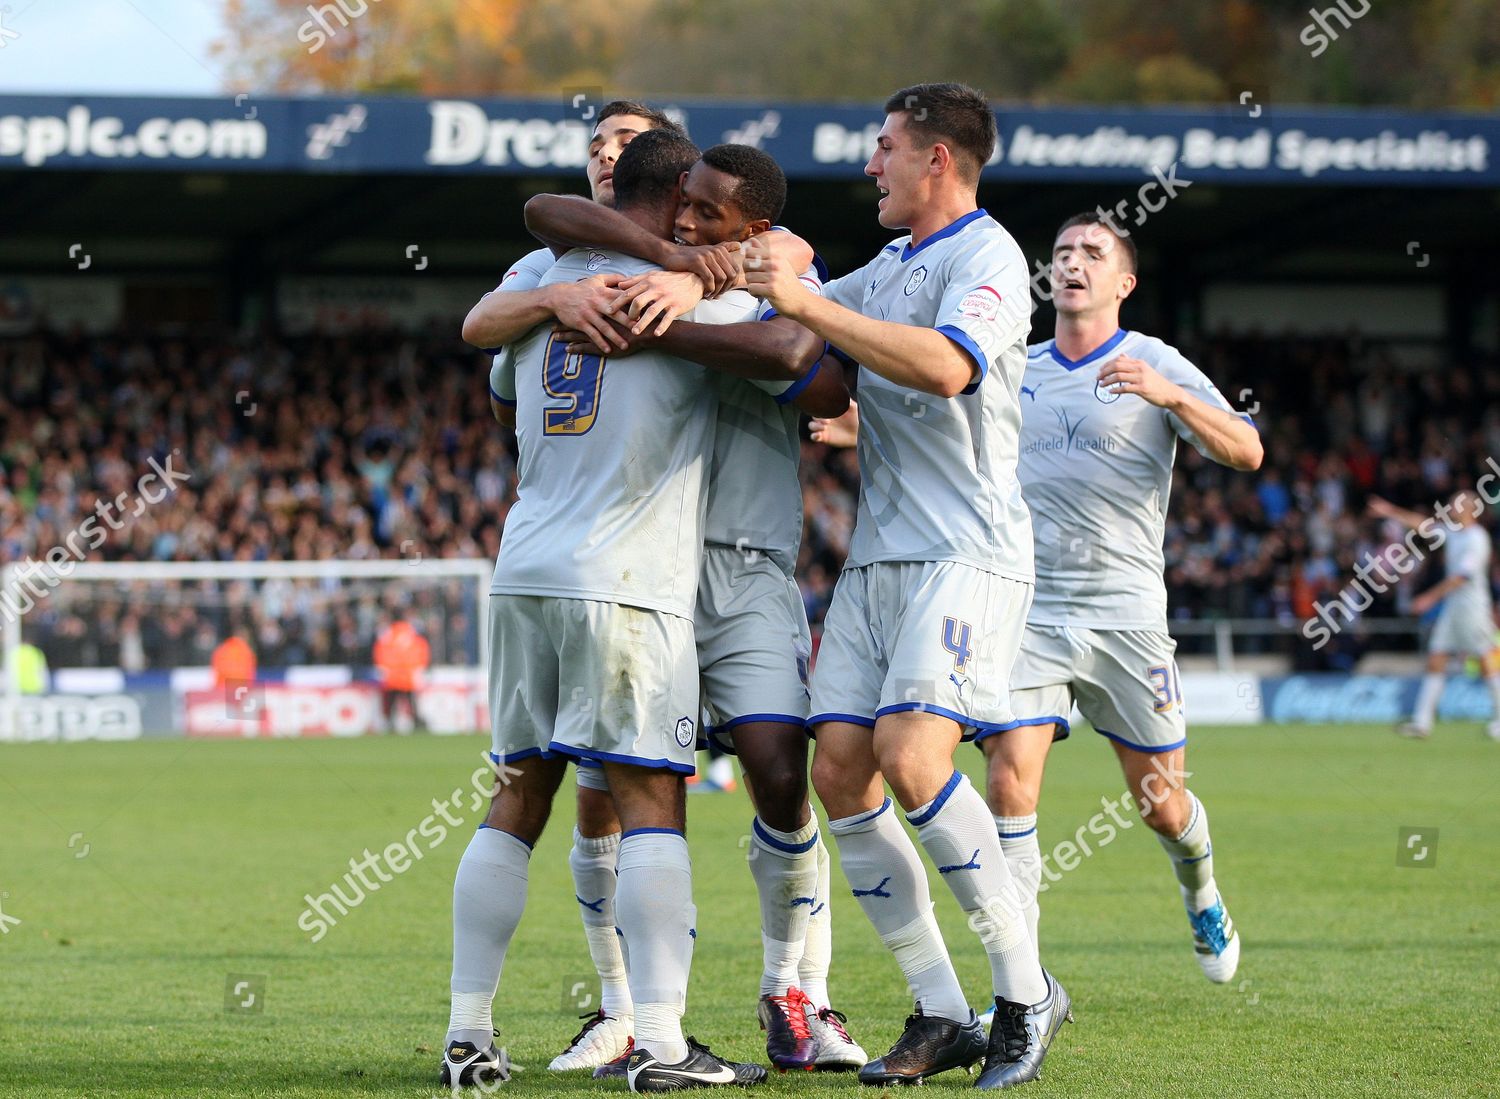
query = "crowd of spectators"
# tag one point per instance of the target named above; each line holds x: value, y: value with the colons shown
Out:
x: 380, y: 445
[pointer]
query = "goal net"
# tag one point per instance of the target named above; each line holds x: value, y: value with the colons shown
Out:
x: 98, y: 650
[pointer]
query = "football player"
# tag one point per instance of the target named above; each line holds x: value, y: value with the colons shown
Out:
x: 928, y: 612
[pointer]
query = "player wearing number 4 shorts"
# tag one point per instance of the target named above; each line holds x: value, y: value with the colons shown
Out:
x: 1102, y: 410
x: 927, y: 614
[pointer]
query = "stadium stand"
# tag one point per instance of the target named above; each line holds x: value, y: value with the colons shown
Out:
x: 380, y: 445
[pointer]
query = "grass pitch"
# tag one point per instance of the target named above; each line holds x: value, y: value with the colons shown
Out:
x: 152, y: 878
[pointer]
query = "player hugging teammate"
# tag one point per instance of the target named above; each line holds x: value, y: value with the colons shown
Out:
x: 652, y: 546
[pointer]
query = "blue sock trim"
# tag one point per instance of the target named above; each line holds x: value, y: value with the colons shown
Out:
x: 503, y: 832
x: 771, y: 841
x: 863, y: 818
x: 650, y: 832
x: 937, y: 803
x: 1018, y: 835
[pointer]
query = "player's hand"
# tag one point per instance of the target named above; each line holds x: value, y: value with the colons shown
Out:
x: 1122, y: 374
x: 788, y: 246
x: 840, y: 432
x: 584, y: 306
x: 580, y: 343
x: 769, y: 275
x: 1380, y: 507
x: 716, y: 265
x: 654, y: 300
x: 1423, y: 603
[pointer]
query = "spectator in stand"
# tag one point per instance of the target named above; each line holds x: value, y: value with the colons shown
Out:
x: 401, y: 657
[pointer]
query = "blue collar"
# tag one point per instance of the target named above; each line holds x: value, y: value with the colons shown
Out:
x: 947, y: 231
x: 1097, y: 353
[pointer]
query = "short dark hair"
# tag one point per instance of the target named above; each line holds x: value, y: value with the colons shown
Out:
x: 658, y: 120
x: 955, y: 114
x: 1094, y: 217
x: 651, y: 166
x: 762, y: 189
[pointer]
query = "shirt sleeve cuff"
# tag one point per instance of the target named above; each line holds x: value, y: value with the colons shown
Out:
x: 960, y: 337
x: 791, y: 393
x: 501, y: 400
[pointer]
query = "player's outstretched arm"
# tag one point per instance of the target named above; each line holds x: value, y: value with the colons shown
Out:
x: 919, y: 358
x: 1384, y: 509
x: 571, y: 221
x: 505, y: 414
x: 777, y: 349
x: 503, y: 316
x: 1224, y: 436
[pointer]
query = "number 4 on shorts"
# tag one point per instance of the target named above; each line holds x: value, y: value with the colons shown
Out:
x: 957, y: 636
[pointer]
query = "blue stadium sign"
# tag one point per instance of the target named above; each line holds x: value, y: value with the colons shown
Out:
x: 1238, y: 144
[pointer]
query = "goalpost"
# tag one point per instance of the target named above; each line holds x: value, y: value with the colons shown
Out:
x: 56, y: 601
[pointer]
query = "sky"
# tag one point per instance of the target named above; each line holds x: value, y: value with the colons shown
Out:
x: 121, y: 46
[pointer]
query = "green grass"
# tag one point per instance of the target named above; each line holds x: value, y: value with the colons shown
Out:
x: 1359, y: 977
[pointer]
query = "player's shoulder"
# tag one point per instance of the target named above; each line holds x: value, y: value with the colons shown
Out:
x: 1159, y: 353
x: 537, y: 260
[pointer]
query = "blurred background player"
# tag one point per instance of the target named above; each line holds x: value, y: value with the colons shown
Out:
x: 929, y: 610
x: 591, y: 588
x: 28, y: 671
x: 750, y: 623
x: 718, y: 776
x: 401, y: 657
x: 1466, y: 623
x: 508, y: 313
x: 233, y: 660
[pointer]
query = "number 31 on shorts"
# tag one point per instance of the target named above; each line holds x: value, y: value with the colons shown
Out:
x: 1167, y: 682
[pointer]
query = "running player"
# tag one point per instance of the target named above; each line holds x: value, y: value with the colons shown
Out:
x: 751, y: 625
x: 1466, y: 623
x: 927, y: 615
x: 1103, y: 409
x: 591, y: 635
x: 508, y: 313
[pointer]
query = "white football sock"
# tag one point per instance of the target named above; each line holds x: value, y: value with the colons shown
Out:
x: 489, y: 894
x: 887, y: 878
x: 959, y: 834
x: 1193, y: 859
x: 785, y: 868
x: 654, y: 906
x: 592, y: 861
x: 1427, y: 700
x: 1493, y: 682
x: 1023, y: 854
x: 817, y: 946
